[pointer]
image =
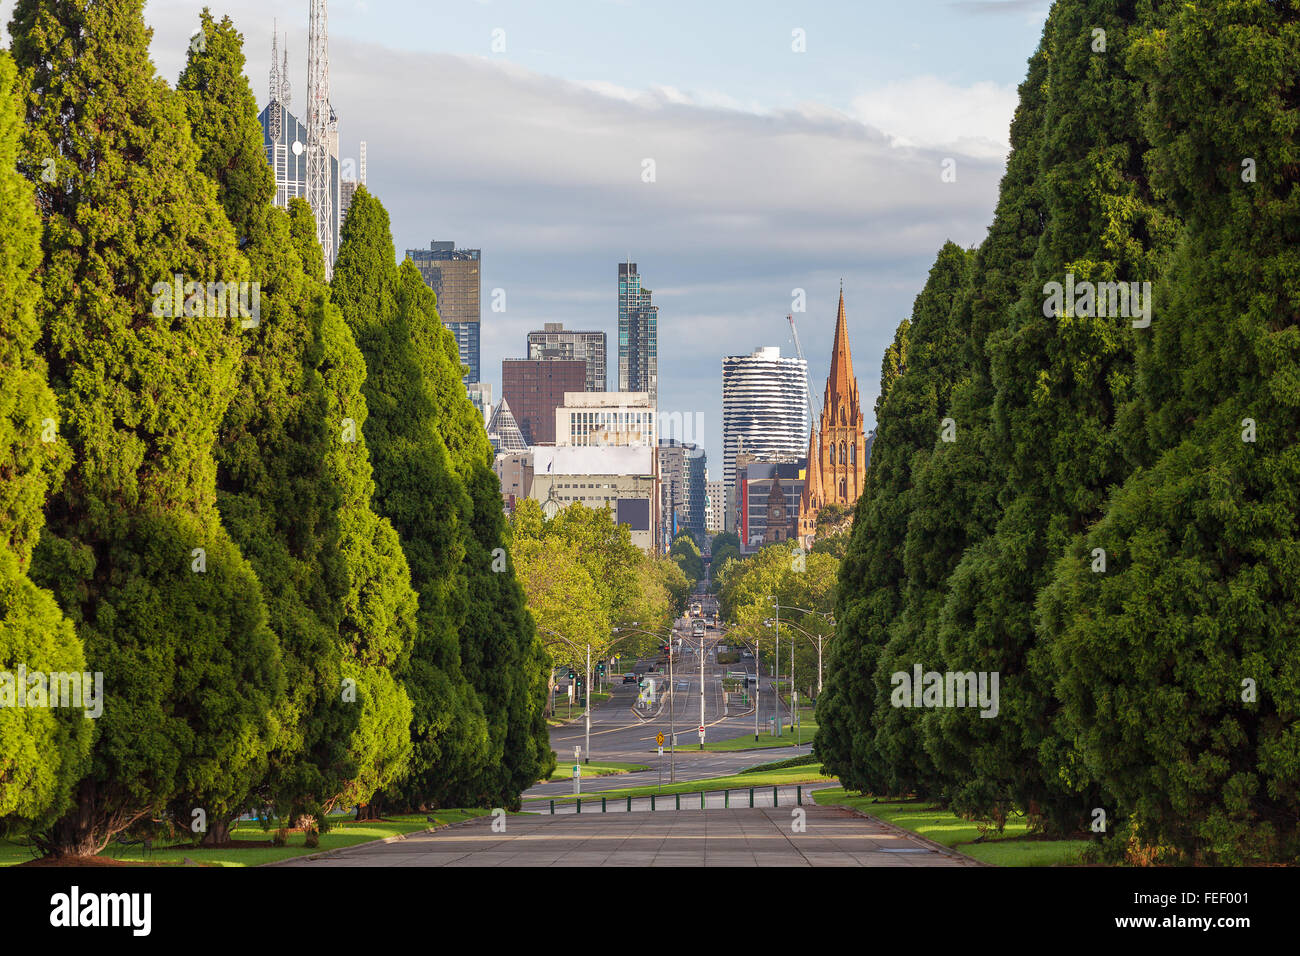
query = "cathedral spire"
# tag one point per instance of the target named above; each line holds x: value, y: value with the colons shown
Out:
x: 841, y: 386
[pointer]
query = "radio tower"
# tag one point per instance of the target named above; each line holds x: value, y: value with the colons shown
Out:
x: 318, y: 130
x: 362, y: 175
x: 274, y: 117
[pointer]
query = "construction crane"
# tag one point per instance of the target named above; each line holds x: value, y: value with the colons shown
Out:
x: 799, y: 351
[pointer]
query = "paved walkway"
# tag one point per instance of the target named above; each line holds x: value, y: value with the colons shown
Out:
x: 831, y: 836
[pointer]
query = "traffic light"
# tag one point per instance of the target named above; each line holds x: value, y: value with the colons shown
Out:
x: 570, y: 675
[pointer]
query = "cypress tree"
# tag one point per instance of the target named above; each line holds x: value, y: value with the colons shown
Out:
x: 956, y: 484
x: 910, y: 421
x: 1058, y: 382
x: 1177, y: 665
x: 883, y: 753
x: 844, y: 732
x: 42, y: 749
x: 275, y: 492
x: 133, y: 549
x: 418, y: 491
x: 378, y: 627
x: 496, y: 634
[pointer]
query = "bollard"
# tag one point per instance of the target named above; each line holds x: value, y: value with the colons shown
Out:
x: 579, y: 810
x: 798, y: 792
x: 774, y: 796
x: 552, y: 808
x: 701, y: 799
x: 629, y: 804
x: 726, y: 799
x: 652, y: 801
x: 678, y: 801
x: 751, y: 798
x: 602, y: 804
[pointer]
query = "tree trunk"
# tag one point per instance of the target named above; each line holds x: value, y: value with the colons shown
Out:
x: 218, y: 833
x: 83, y: 831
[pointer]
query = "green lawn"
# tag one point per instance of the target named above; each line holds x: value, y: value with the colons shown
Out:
x: 691, y: 741
x: 345, y: 832
x: 562, y: 709
x: 1010, y: 848
x: 788, y: 776
x: 564, y: 771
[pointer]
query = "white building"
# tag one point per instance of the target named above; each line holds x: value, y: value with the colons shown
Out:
x: 764, y: 412
x: 618, y: 477
x: 606, y: 418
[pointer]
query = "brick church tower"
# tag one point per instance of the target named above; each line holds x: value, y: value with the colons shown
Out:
x: 837, y: 466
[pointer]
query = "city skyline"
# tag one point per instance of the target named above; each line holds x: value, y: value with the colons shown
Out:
x: 725, y: 238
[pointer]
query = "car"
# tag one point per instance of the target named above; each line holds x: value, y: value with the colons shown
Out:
x: 629, y: 678
x: 746, y: 653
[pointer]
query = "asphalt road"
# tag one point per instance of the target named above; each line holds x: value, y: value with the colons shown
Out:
x: 619, y: 733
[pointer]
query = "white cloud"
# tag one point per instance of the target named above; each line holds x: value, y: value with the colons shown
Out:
x: 929, y: 112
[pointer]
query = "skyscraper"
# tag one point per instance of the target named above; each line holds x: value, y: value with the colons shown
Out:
x: 348, y: 188
x: 682, y: 468
x: 764, y: 411
x: 638, y: 335
x: 554, y: 341
x: 456, y: 276
x: 535, y: 389
x: 285, y: 141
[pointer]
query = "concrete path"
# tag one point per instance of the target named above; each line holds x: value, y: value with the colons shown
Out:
x: 831, y: 836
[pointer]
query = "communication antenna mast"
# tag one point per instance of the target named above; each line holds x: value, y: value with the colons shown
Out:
x: 362, y: 172
x: 274, y: 117
x: 320, y: 120
x: 285, y: 89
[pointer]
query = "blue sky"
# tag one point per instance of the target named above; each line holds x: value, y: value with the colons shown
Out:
x: 775, y: 169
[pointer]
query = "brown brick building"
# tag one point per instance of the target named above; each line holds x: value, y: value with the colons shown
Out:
x: 535, y: 389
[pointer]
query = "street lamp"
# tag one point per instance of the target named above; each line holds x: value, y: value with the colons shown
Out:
x: 672, y: 721
x: 817, y: 639
x: 758, y: 682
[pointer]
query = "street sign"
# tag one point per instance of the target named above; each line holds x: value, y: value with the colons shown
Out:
x: 661, y: 750
x: 577, y: 770
x: 659, y: 739
x: 700, y: 728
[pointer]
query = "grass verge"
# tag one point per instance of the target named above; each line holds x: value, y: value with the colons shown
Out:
x: 343, y: 833
x: 564, y: 771
x: 1015, y: 846
x: 691, y: 742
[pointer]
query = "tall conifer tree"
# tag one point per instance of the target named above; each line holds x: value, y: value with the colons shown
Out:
x: 276, y: 494
x: 378, y: 626
x: 1178, y: 668
x: 419, y: 492
x: 496, y: 633
x: 134, y: 549
x: 1058, y: 382
x: 42, y: 749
